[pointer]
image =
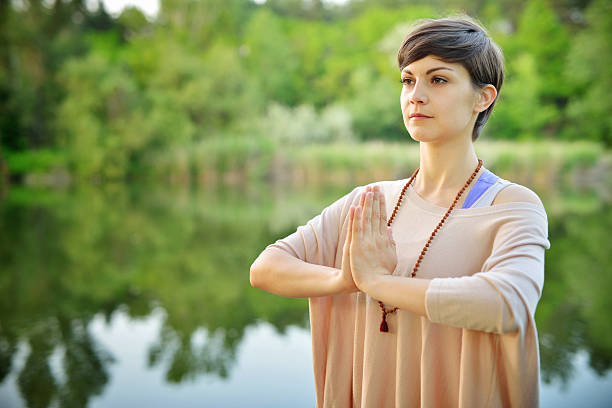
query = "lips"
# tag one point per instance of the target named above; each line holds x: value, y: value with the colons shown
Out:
x: 419, y: 115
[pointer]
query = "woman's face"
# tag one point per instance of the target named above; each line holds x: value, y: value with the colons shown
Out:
x: 442, y: 91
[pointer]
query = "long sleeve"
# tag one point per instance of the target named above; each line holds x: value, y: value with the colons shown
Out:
x: 317, y: 241
x: 501, y: 297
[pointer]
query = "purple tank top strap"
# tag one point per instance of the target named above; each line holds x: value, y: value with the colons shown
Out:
x: 486, y: 180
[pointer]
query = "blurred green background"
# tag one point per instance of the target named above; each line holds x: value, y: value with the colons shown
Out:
x: 146, y: 160
x: 85, y: 95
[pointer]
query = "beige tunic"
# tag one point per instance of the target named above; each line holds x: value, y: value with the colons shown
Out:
x: 478, y: 345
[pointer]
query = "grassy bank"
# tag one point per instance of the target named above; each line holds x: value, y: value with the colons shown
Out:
x: 241, y: 160
x: 231, y: 161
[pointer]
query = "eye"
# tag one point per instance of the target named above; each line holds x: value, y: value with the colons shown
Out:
x: 435, y: 80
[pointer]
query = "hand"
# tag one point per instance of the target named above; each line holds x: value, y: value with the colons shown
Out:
x: 347, y: 283
x: 372, y: 248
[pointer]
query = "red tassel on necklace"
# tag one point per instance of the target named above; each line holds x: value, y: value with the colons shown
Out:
x: 383, y: 324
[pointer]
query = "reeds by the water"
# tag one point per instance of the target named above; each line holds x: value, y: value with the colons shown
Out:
x: 241, y: 160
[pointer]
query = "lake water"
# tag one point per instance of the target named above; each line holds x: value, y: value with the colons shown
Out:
x: 124, y: 296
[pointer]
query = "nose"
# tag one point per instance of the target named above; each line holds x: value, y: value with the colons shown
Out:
x: 417, y: 95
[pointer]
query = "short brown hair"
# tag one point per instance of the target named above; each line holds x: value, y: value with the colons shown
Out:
x: 457, y: 39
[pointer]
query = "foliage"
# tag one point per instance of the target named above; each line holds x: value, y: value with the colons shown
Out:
x: 112, y: 91
x: 589, y: 68
x: 302, y: 125
x: 35, y: 161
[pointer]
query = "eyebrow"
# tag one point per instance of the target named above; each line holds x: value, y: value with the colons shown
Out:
x: 428, y: 72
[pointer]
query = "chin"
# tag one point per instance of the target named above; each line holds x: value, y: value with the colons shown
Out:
x: 419, y: 135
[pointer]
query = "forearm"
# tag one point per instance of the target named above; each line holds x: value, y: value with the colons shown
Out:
x: 406, y: 293
x: 282, y: 274
x: 484, y: 301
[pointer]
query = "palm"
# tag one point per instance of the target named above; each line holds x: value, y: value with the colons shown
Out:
x: 372, y: 249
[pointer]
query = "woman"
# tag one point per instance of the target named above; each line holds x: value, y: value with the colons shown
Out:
x: 422, y: 291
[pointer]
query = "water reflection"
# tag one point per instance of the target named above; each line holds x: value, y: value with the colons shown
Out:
x: 266, y: 362
x: 71, y: 258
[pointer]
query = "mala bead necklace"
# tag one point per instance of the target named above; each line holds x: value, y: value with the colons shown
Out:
x: 383, y: 325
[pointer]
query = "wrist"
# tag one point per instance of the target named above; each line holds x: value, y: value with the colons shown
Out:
x: 341, y: 284
x: 365, y: 283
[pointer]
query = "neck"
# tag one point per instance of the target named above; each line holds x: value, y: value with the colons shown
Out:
x: 445, y: 167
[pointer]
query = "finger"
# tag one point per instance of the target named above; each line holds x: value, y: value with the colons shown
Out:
x: 349, y: 234
x: 390, y: 235
x: 356, y: 224
x: 382, y: 212
x: 376, y: 212
x: 367, y: 215
x: 346, y: 252
x: 363, y: 196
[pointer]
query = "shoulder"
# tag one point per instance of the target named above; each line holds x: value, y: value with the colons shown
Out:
x: 517, y: 193
x: 531, y: 225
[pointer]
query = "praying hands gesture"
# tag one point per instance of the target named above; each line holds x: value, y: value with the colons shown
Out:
x: 369, y: 249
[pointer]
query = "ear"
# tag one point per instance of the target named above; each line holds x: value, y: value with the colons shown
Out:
x: 485, y: 98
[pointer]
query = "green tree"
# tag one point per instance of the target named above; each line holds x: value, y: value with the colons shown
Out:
x: 271, y: 61
x: 589, y: 71
x: 101, y: 100
x: 519, y: 113
x: 542, y: 35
